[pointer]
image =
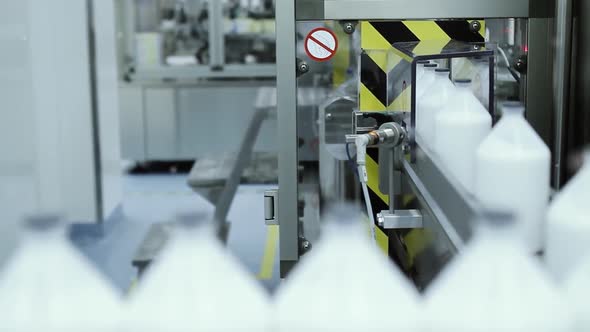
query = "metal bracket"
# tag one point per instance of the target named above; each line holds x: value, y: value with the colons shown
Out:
x: 271, y: 207
x: 401, y: 219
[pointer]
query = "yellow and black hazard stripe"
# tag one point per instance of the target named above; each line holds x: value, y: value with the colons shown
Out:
x: 380, y: 61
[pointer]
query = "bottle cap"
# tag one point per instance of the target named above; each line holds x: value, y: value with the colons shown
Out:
x: 43, y: 222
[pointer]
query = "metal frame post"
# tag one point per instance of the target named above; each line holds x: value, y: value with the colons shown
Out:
x: 287, y: 134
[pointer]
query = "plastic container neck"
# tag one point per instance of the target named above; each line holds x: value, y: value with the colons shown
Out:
x: 513, y: 111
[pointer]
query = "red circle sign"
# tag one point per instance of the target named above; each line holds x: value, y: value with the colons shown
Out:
x: 321, y: 44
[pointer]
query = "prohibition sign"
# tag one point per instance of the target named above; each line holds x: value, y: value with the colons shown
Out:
x: 321, y: 44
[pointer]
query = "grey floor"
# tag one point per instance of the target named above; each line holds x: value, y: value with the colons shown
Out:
x: 151, y: 199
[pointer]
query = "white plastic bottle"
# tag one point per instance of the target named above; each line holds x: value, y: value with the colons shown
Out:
x: 459, y: 129
x: 423, y: 82
x: 577, y: 292
x: 48, y: 286
x: 346, y: 284
x: 420, y: 68
x: 568, y: 224
x: 439, y: 93
x: 513, y: 174
x: 495, y: 285
x: 196, y: 285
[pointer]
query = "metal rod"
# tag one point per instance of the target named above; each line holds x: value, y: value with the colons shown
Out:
x: 391, y: 170
x: 562, y: 82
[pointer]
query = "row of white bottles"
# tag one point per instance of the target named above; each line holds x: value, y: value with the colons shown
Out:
x: 506, y: 168
x: 47, y: 285
x: 344, y: 284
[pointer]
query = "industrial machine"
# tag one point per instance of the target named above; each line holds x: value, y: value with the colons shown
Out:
x: 185, y: 66
x: 421, y: 218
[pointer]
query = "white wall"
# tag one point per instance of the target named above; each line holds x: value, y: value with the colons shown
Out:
x: 46, y: 145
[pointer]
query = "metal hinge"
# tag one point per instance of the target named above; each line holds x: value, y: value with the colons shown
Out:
x: 271, y: 207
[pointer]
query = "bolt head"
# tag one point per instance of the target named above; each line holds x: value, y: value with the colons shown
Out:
x: 329, y: 116
x: 348, y: 28
x: 303, y: 67
x: 475, y: 26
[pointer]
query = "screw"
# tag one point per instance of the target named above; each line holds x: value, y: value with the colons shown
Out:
x: 475, y: 26
x: 303, y: 67
x: 348, y: 28
x: 329, y: 116
x: 305, y: 246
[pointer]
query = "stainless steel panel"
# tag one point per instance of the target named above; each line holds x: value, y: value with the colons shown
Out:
x: 132, y: 123
x: 539, y: 87
x: 161, y: 123
x: 287, y: 130
x: 424, y: 9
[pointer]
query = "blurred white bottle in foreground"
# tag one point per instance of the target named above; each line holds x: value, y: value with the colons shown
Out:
x: 459, y: 129
x: 346, y: 284
x: 494, y: 285
x: 513, y: 174
x: 577, y: 290
x: 196, y: 285
x: 439, y: 94
x: 47, y: 285
x: 568, y: 224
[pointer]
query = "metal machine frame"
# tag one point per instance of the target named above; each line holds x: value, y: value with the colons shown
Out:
x: 440, y: 201
x: 217, y: 68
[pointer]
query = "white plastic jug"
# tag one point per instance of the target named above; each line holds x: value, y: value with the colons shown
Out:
x: 577, y: 293
x: 48, y: 286
x: 459, y: 129
x: 513, y: 174
x: 568, y: 224
x: 425, y: 80
x: 196, y: 285
x: 495, y: 285
x: 439, y: 93
x: 346, y: 284
x: 420, y: 68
